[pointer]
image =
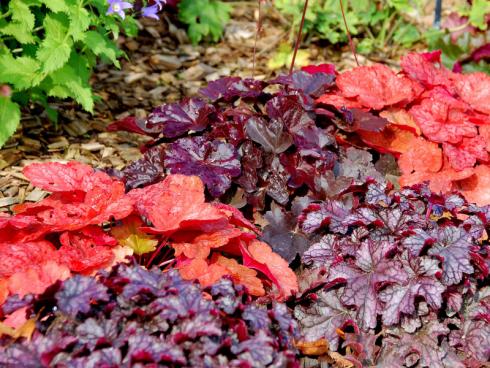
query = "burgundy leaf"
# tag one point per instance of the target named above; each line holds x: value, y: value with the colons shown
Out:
x: 311, y: 84
x: 306, y: 166
x: 134, y: 125
x: 229, y: 88
x: 216, y: 163
x: 251, y: 162
x: 289, y: 111
x: 174, y: 120
x: 269, y: 135
x: 281, y: 233
x: 147, y: 170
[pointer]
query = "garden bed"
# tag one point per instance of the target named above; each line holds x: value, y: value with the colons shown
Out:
x: 222, y: 214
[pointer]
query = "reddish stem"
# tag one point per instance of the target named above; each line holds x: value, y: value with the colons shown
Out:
x: 298, y: 39
x: 351, y: 44
x: 257, y: 31
x: 155, y: 253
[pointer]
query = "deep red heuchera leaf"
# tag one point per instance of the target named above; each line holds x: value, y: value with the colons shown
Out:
x: 320, y: 68
x: 300, y: 124
x: 282, y: 235
x: 466, y: 154
x: 306, y: 166
x: 215, y: 162
x: 363, y: 277
x: 376, y: 86
x: 86, y: 250
x: 147, y: 170
x: 174, y: 120
x: 177, y: 203
x: 310, y: 84
x: 269, y: 135
x: 134, y: 125
x: 230, y: 88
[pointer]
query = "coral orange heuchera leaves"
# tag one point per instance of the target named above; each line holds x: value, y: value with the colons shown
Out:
x: 172, y: 212
x: 376, y: 86
x: 447, y: 110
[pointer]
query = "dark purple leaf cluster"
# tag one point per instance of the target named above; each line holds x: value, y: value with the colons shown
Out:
x: 261, y: 137
x: 258, y: 145
x: 401, y: 273
x: 131, y: 316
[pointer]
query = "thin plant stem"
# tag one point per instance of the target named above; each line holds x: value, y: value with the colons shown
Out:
x: 155, y: 253
x: 257, y: 31
x: 298, y: 39
x: 351, y: 44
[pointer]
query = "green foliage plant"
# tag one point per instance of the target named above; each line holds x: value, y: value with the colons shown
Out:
x: 204, y: 18
x: 48, y: 49
x: 379, y: 23
x: 464, y: 37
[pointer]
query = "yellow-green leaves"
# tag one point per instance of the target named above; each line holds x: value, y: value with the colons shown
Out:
x: 129, y: 235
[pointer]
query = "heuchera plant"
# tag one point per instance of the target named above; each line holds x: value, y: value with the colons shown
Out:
x: 398, y: 278
x: 90, y: 223
x: 257, y: 144
x: 439, y: 121
x: 131, y: 316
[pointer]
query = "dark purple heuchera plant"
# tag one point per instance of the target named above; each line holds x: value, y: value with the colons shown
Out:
x: 260, y: 141
x: 132, y: 316
x: 398, y: 277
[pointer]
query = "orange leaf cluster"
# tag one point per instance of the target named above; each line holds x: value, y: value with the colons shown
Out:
x: 438, y: 121
x: 64, y: 234
x: 201, y: 233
